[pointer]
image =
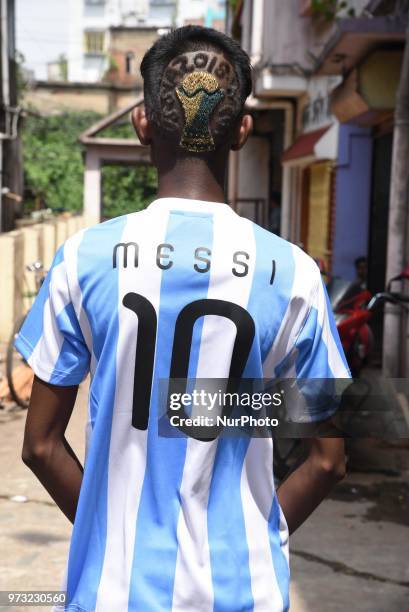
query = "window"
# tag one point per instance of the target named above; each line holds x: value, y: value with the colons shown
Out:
x: 130, y: 63
x: 94, y: 42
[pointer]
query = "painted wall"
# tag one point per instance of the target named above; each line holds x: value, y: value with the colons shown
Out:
x: 353, y: 192
x: 125, y: 40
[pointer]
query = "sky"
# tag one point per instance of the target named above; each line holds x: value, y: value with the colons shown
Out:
x: 41, y: 32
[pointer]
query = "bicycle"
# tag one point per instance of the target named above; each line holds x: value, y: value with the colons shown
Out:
x: 19, y: 374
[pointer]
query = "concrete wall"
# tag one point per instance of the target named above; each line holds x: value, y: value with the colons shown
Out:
x: 49, y: 98
x: 21, y: 248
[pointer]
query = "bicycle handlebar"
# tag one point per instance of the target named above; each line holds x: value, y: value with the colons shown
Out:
x: 393, y: 298
x: 36, y: 266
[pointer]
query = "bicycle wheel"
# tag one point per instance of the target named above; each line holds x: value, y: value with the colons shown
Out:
x: 19, y: 374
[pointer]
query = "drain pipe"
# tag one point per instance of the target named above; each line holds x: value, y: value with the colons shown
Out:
x: 4, y: 55
x: 257, y: 31
x: 393, y: 344
x: 5, y: 92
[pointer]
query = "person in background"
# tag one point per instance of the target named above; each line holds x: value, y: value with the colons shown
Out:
x: 361, y: 267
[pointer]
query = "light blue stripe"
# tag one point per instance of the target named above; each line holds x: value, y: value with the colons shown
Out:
x: 268, y: 304
x: 99, y: 286
x: 312, y: 356
x: 316, y: 378
x: 156, y: 545
x: 334, y: 330
x: 281, y: 567
x: 229, y: 554
x: 74, y: 357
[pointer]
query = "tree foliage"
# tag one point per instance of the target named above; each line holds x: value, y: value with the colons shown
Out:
x: 127, y: 189
x: 54, y: 167
x: 330, y: 9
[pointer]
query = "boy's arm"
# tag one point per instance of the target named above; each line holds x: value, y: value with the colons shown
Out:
x: 317, y: 361
x: 311, y: 482
x: 45, y: 449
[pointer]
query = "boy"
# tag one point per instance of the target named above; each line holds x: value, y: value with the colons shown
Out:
x: 177, y: 523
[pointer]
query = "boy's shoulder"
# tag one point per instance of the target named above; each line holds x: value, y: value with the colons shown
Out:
x: 91, y: 247
x: 102, y: 230
x: 304, y: 265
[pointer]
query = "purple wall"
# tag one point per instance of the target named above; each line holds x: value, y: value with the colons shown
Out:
x: 353, y: 193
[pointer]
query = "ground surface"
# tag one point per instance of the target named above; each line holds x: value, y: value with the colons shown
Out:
x: 353, y: 553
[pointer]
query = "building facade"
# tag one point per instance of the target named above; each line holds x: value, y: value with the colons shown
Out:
x: 99, y: 30
x: 335, y: 78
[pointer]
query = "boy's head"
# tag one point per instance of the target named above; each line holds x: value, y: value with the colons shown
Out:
x: 196, y: 81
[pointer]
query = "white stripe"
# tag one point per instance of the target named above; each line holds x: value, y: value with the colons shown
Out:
x: 257, y: 493
x: 284, y: 535
x: 48, y: 348
x: 193, y: 589
x: 71, y: 247
x: 302, y: 293
x: 127, y: 453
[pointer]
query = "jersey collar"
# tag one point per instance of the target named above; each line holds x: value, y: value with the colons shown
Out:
x: 197, y: 206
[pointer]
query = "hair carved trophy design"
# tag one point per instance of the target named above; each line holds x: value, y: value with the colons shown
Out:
x: 199, y: 93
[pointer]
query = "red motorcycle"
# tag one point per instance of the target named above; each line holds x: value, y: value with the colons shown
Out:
x: 353, y: 308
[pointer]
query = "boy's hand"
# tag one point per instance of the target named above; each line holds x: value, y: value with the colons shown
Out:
x: 45, y: 449
x: 308, y: 485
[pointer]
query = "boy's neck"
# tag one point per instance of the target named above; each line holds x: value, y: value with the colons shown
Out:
x: 192, y: 179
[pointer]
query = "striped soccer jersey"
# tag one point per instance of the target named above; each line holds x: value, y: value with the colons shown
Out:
x: 176, y: 524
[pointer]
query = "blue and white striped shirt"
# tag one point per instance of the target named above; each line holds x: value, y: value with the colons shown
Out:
x: 176, y: 524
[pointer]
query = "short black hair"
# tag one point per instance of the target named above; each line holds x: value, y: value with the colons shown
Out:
x: 161, y: 104
x: 359, y: 261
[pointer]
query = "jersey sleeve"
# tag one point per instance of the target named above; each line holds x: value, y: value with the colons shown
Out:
x: 317, y: 362
x: 50, y: 339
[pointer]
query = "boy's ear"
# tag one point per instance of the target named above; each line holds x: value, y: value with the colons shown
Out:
x: 141, y: 125
x: 243, y: 131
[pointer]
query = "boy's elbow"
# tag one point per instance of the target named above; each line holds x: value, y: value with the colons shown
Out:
x: 328, y: 458
x: 334, y: 469
x: 35, y: 453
